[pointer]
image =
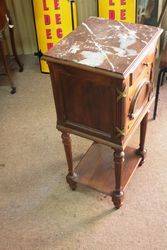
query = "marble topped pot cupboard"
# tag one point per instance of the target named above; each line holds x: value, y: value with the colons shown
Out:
x: 102, y: 77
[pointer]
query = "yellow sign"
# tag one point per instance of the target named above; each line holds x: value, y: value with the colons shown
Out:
x: 119, y: 10
x: 54, y: 19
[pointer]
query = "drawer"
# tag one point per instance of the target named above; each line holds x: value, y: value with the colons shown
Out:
x: 144, y: 68
x: 140, y: 99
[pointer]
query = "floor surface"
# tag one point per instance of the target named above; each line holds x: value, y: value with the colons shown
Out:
x: 37, y: 208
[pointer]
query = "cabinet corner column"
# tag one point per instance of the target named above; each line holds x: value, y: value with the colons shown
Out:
x: 118, y: 193
x: 143, y: 128
x: 68, y: 151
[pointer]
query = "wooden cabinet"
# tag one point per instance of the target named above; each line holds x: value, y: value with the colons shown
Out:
x: 3, y: 15
x: 6, y: 22
x: 102, y: 78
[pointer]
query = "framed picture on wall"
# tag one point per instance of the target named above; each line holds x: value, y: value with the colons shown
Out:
x: 147, y: 12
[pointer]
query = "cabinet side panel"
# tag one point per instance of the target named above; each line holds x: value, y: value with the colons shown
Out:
x: 85, y: 101
x: 57, y: 93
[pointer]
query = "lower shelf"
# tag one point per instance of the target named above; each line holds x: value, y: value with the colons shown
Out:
x: 96, y: 168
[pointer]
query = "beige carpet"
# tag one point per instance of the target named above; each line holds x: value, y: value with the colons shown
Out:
x: 37, y: 208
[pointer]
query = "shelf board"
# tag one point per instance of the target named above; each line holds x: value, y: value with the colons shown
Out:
x: 96, y: 168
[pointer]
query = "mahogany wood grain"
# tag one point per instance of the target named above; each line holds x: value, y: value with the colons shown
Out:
x: 81, y: 92
x: 118, y: 193
x: 6, y: 21
x: 78, y: 92
x: 104, y: 100
x: 97, y: 169
x: 12, y: 39
x: 3, y: 13
x: 163, y: 62
x: 68, y: 150
x: 143, y: 128
x: 67, y: 146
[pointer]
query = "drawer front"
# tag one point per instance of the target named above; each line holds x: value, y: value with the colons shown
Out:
x: 140, y: 89
x: 144, y: 68
x: 140, y: 99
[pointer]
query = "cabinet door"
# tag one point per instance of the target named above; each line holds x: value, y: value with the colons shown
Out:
x: 86, y: 101
x: 54, y: 19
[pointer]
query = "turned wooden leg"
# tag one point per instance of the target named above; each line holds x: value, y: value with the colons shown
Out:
x: 143, y: 127
x: 11, y: 32
x: 5, y: 64
x: 67, y: 146
x: 157, y: 92
x: 118, y: 194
